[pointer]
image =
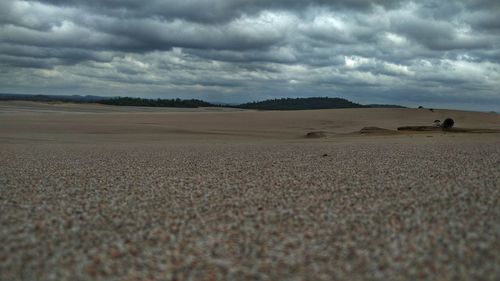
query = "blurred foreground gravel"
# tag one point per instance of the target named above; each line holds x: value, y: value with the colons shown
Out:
x: 376, y: 211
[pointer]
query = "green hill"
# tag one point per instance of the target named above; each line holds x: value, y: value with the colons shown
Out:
x: 301, y: 104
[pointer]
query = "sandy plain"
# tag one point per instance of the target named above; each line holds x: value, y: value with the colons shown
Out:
x: 92, y: 192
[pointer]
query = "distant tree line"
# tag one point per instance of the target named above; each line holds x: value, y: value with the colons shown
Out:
x: 272, y: 104
x: 301, y: 104
x: 126, y: 101
x: 51, y: 98
x: 385, y: 106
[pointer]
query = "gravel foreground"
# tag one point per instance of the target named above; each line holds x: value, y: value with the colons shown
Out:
x: 304, y: 211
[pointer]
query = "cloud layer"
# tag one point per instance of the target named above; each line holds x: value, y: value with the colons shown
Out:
x: 436, y: 53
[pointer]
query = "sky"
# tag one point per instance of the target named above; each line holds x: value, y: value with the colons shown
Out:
x: 435, y: 53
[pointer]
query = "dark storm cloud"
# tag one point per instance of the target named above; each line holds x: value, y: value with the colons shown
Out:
x: 209, y: 11
x: 248, y: 50
x: 486, y: 21
x: 437, y: 35
x: 150, y: 34
x: 69, y: 54
x: 26, y: 62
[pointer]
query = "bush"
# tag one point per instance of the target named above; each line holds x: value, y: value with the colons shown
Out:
x: 448, y: 124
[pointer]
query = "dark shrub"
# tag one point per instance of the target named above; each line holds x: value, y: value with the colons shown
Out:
x: 448, y: 124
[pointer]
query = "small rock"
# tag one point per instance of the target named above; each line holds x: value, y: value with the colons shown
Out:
x: 316, y: 134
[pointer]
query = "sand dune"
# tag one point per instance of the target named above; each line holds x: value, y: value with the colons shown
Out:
x: 150, y: 194
x: 98, y: 122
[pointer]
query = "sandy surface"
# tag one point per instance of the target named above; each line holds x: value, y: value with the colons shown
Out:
x: 242, y: 195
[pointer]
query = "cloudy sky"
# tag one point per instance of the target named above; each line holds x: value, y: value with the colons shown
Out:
x: 430, y: 52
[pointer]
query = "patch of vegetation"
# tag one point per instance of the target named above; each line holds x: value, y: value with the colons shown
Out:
x: 448, y: 124
x: 272, y: 104
x: 51, y: 98
x: 385, y: 106
x: 301, y: 104
x: 126, y: 101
